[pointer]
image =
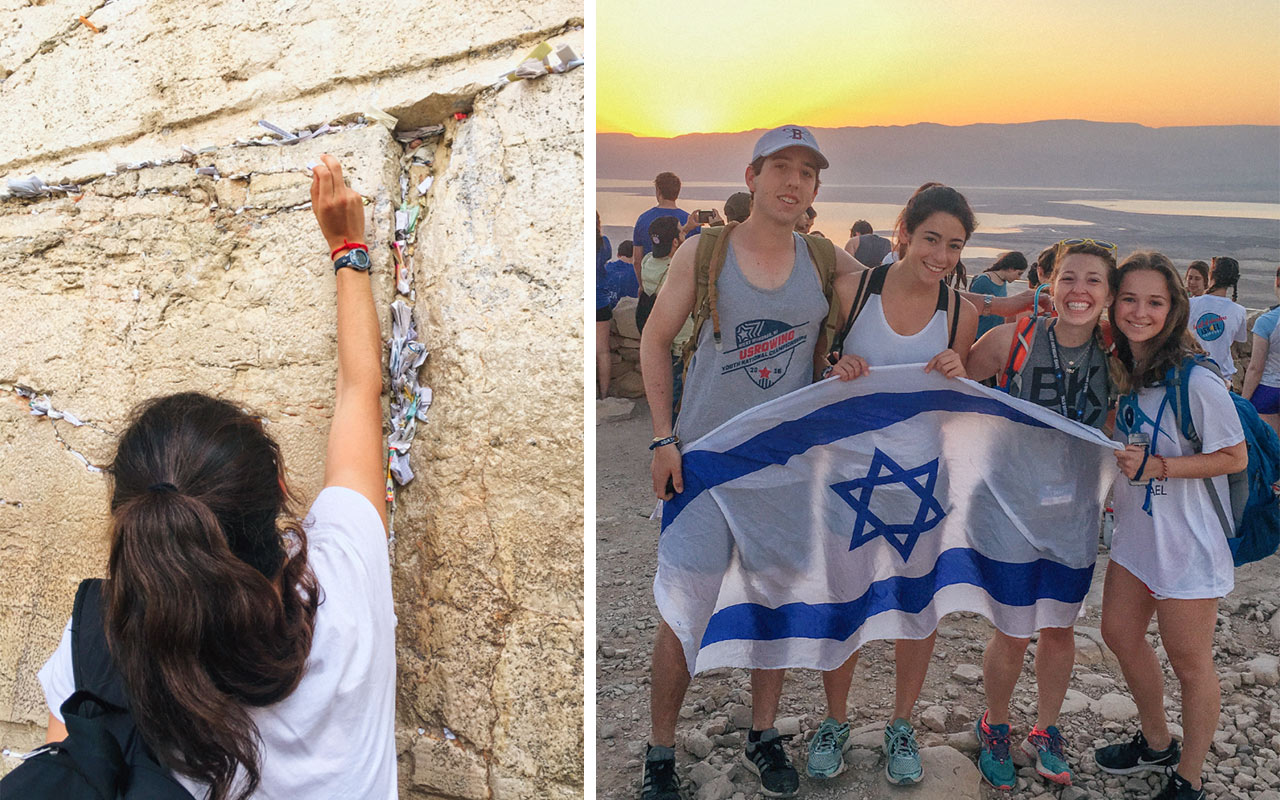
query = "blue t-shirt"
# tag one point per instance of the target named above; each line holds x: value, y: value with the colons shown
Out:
x: 621, y: 279
x: 603, y: 252
x: 1266, y: 327
x: 984, y: 285
x: 640, y: 236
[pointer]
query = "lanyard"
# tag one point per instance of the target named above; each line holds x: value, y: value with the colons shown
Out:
x: 1082, y: 394
x: 1128, y: 407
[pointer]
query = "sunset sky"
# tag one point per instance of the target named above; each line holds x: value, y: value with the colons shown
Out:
x: 667, y: 68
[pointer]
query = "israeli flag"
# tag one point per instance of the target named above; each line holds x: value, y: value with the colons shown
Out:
x: 847, y: 512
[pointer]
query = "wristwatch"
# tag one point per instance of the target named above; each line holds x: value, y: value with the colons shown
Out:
x: 986, y: 303
x: 355, y: 258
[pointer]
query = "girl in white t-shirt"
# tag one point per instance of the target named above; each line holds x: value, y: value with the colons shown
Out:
x: 1169, y: 555
x: 256, y: 650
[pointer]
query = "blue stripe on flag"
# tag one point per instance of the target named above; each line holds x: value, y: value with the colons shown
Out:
x: 705, y: 469
x: 1009, y: 584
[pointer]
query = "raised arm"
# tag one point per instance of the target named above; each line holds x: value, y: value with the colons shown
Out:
x: 355, y: 457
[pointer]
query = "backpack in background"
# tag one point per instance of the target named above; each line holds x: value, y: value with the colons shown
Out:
x: 1255, y: 509
x: 103, y: 756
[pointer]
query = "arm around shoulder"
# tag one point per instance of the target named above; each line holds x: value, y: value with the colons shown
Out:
x: 988, y: 354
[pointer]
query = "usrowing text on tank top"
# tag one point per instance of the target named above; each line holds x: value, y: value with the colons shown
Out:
x: 768, y: 339
x: 1084, y: 378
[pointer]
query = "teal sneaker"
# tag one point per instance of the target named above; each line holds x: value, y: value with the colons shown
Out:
x: 993, y: 759
x: 1045, y: 746
x: 902, y: 754
x: 826, y: 751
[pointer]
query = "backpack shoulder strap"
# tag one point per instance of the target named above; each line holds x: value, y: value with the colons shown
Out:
x: 822, y: 252
x: 90, y: 657
x: 708, y: 261
x: 1023, y: 333
x: 949, y: 301
x: 870, y: 282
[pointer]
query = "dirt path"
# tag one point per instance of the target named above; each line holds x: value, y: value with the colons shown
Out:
x: 1244, y: 763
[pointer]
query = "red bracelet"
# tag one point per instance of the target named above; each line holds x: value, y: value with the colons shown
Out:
x: 1164, y: 469
x: 348, y: 246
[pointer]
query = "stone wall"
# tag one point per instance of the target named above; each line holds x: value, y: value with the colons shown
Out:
x: 152, y: 278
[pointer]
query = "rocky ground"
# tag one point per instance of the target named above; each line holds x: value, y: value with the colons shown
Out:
x: 715, y: 717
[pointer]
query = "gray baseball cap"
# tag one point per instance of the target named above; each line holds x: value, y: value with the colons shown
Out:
x: 788, y: 136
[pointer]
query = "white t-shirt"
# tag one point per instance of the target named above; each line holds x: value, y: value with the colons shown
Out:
x: 334, y: 736
x: 1216, y: 322
x: 1180, y: 550
x: 1266, y: 327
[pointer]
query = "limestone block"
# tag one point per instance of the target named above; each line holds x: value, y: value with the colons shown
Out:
x: 448, y: 768
x: 243, y: 60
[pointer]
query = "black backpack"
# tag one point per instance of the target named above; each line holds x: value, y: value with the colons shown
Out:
x: 103, y: 756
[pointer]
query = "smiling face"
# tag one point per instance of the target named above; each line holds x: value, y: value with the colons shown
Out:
x: 786, y: 185
x: 1081, y: 289
x: 1142, y: 308
x: 933, y: 249
x: 1195, y: 283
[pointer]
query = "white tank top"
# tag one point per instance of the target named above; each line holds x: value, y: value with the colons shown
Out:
x: 873, y: 339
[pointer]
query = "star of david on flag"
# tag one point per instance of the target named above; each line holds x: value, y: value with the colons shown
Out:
x: 847, y: 512
x: 902, y: 536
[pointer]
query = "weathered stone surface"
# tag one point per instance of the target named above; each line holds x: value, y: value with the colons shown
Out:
x: 159, y: 279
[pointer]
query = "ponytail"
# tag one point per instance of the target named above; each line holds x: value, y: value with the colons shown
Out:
x: 1226, y: 272
x: 206, y: 614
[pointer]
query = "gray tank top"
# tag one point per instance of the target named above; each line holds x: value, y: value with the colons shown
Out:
x: 1085, y: 378
x: 767, y: 342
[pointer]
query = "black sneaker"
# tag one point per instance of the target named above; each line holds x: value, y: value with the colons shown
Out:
x: 1179, y: 788
x: 768, y: 759
x: 1136, y: 756
x: 660, y: 779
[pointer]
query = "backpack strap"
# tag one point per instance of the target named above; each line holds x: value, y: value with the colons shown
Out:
x: 91, y: 662
x: 949, y: 301
x: 1177, y: 394
x: 822, y: 252
x: 1018, y: 350
x: 872, y: 282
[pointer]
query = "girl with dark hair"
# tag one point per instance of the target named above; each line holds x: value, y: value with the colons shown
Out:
x: 256, y: 651
x: 1065, y: 369
x: 1169, y: 554
x: 1197, y: 278
x: 909, y: 316
x: 995, y: 280
x: 1219, y: 323
x: 1262, y: 378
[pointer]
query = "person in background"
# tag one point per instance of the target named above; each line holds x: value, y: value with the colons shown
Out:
x: 1043, y: 268
x: 738, y: 207
x: 666, y: 189
x: 1262, y: 377
x: 804, y: 223
x: 623, y: 277
x: 665, y: 235
x: 995, y: 280
x: 865, y: 245
x: 1216, y: 322
x: 1197, y: 278
x: 605, y: 301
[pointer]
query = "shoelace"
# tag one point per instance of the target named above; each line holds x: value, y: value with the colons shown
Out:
x: 1052, y: 741
x: 826, y: 739
x: 900, y: 741
x: 998, y: 742
x: 772, y: 753
x: 662, y: 774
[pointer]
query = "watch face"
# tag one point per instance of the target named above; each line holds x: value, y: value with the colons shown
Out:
x: 359, y: 259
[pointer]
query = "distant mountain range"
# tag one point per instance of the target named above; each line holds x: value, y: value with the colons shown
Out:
x: 1234, y: 162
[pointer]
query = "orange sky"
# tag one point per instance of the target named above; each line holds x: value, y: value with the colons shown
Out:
x: 666, y: 68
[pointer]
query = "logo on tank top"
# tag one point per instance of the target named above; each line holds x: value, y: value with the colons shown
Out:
x: 764, y: 350
x: 1211, y: 326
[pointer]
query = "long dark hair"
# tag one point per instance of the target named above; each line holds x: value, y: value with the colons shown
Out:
x: 1174, y: 341
x: 210, y: 603
x: 926, y: 201
x: 1226, y: 272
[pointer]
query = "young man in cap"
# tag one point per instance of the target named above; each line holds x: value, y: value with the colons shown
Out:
x: 768, y: 282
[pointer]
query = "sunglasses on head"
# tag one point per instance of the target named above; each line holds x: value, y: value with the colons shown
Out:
x: 1095, y: 242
